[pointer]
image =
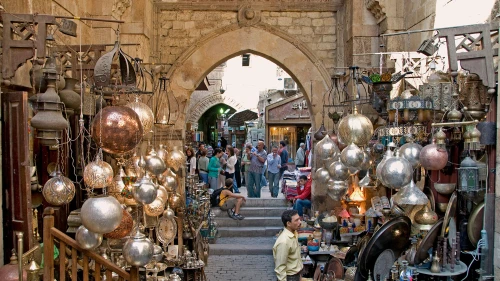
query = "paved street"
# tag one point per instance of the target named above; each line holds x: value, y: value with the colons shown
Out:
x: 241, y: 268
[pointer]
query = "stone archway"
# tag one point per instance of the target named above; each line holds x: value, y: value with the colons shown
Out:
x: 196, y: 110
x: 261, y: 39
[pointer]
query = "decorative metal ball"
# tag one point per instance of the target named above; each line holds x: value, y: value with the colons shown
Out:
x: 326, y: 148
x: 336, y: 189
x: 410, y: 195
x: 380, y: 166
x: 170, y: 183
x: 98, y: 174
x: 58, y: 190
x: 367, y: 160
x: 124, y: 229
x: 145, y: 191
x: 138, y: 250
x: 355, y: 128
x: 176, y: 159
x: 117, y: 129
x: 116, y: 188
x: 411, y: 152
x: 352, y: 156
x: 322, y: 175
x: 338, y: 171
x: 155, y: 208
x: 87, y: 239
x: 162, y: 193
x: 174, y: 201
x: 101, y: 214
x: 132, y: 168
x: 162, y: 153
x: 433, y: 158
x: 169, y: 213
x: 154, y: 164
x: 396, y: 172
x: 145, y: 114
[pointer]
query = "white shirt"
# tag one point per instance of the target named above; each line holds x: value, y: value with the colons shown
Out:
x: 231, y: 161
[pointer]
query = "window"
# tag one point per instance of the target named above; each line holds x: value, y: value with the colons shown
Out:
x: 245, y: 60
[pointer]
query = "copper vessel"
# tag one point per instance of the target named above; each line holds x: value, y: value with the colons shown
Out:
x: 433, y: 158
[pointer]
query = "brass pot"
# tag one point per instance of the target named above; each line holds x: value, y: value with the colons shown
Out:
x: 426, y: 216
x: 145, y: 114
x: 355, y: 128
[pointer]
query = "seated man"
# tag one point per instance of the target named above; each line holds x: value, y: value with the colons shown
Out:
x: 230, y: 201
x: 303, y: 198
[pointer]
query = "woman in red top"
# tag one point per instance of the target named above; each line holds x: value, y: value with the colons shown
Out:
x: 303, y: 198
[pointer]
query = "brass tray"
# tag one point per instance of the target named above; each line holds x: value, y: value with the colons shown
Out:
x: 335, y: 267
x: 427, y: 242
x: 393, y: 235
x: 450, y: 212
x: 475, y: 224
x: 432, y: 200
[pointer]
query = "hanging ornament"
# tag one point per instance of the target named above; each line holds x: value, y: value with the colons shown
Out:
x: 355, y: 128
x: 432, y: 158
x: 101, y: 214
x: 175, y: 201
x: 138, y: 250
x: 320, y: 133
x: 397, y: 172
x: 155, y: 208
x: 58, y: 190
x: 162, y: 193
x: 352, y: 157
x: 168, y: 213
x: 154, y: 164
x: 144, y: 112
x: 411, y: 152
x: 117, y: 186
x: 117, y: 129
x: 440, y: 137
x: 162, y: 153
x: 145, y: 190
x: 336, y: 189
x: 380, y: 166
x: 367, y: 160
x: 338, y: 171
x: 176, y: 159
x: 322, y: 175
x: 87, y: 239
x: 124, y: 229
x: 98, y: 173
x: 410, y: 195
x: 326, y: 151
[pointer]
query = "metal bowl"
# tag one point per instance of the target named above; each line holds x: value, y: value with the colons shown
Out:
x: 445, y: 188
x: 442, y: 207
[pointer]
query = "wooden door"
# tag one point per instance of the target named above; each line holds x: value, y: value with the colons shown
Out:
x: 17, y: 212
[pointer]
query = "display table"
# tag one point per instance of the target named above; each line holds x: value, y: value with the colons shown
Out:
x: 459, y: 269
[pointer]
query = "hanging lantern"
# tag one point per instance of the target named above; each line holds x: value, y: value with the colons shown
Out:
x: 321, y: 175
x: 87, y: 239
x: 162, y: 153
x: 58, y: 190
x: 411, y: 152
x: 176, y: 159
x: 166, y: 104
x: 174, y: 201
x: 433, y: 158
x: 468, y: 178
x: 125, y: 227
x: 325, y: 150
x: 380, y: 166
x: 117, y: 186
x: 336, y: 189
x: 145, y: 191
x: 396, y: 172
x: 154, y: 164
x: 144, y: 112
x: 475, y: 136
x: 155, y: 208
x: 410, y: 195
x: 440, y: 137
x: 69, y: 97
x: 355, y: 128
x: 48, y: 120
x: 101, y: 214
x: 338, y: 171
x: 352, y: 157
x: 98, y: 173
x: 357, y: 195
x: 456, y: 135
x: 138, y: 250
x: 162, y: 193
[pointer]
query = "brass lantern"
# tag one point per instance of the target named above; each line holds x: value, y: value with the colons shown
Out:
x: 468, y: 178
x: 48, y: 119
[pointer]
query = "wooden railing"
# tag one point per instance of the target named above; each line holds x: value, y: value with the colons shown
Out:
x: 50, y: 233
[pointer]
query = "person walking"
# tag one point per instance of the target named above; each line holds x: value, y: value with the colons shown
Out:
x: 300, y: 156
x: 231, y: 202
x: 214, y: 169
x: 203, y: 166
x: 257, y: 159
x: 273, y: 171
x: 286, y: 251
x: 303, y: 198
x: 230, y: 166
x: 283, y: 152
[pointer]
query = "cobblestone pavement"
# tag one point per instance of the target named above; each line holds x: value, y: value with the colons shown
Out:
x: 241, y: 268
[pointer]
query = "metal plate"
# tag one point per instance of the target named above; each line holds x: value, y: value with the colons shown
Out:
x: 393, y: 235
x: 166, y: 230
x: 427, y: 242
x: 335, y: 267
x: 450, y: 212
x: 475, y: 224
x: 384, y: 264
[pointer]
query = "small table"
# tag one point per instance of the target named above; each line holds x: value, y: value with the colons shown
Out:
x: 459, y: 269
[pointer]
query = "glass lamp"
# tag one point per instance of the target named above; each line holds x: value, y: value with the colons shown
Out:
x: 468, y: 178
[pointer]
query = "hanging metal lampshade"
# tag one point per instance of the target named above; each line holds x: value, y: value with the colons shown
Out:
x: 411, y: 152
x: 338, y: 171
x: 145, y: 190
x: 138, y: 250
x: 87, y: 239
x: 58, y: 190
x: 48, y: 119
x: 352, y: 157
x: 166, y: 106
x: 321, y: 175
x: 380, y: 166
x: 98, y: 173
x: 154, y: 164
x: 320, y: 133
x: 155, y: 208
x: 396, y: 172
x: 144, y: 112
x: 326, y: 151
x: 468, y: 178
x: 410, y: 195
x: 176, y: 159
x: 101, y: 214
x: 336, y: 189
x: 162, y: 153
x: 123, y: 229
x: 355, y: 128
x: 69, y: 97
x: 433, y: 158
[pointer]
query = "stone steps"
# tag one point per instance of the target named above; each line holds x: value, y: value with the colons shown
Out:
x: 253, y: 212
x: 225, y: 221
x: 243, y: 246
x: 255, y: 231
x: 263, y: 202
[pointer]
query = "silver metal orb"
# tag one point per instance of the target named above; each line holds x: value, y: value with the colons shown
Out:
x: 176, y: 159
x: 162, y: 193
x: 338, y: 171
x: 98, y: 174
x: 169, y: 213
x: 322, y: 175
x: 352, y: 156
x: 355, y: 128
x: 87, y: 239
x: 326, y: 148
x: 336, y: 189
x: 396, y: 172
x: 154, y: 164
x: 411, y: 152
x: 380, y: 166
x: 433, y: 158
x: 138, y: 250
x: 145, y: 191
x: 410, y: 195
x: 169, y: 181
x: 101, y: 214
x: 162, y: 153
x: 145, y: 114
x: 367, y: 160
x: 58, y: 190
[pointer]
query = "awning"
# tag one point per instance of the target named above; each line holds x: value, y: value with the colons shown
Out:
x: 238, y: 119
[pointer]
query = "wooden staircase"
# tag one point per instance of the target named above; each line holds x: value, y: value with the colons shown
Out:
x: 52, y: 235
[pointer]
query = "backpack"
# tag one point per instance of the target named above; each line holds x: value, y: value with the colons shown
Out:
x: 215, y: 197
